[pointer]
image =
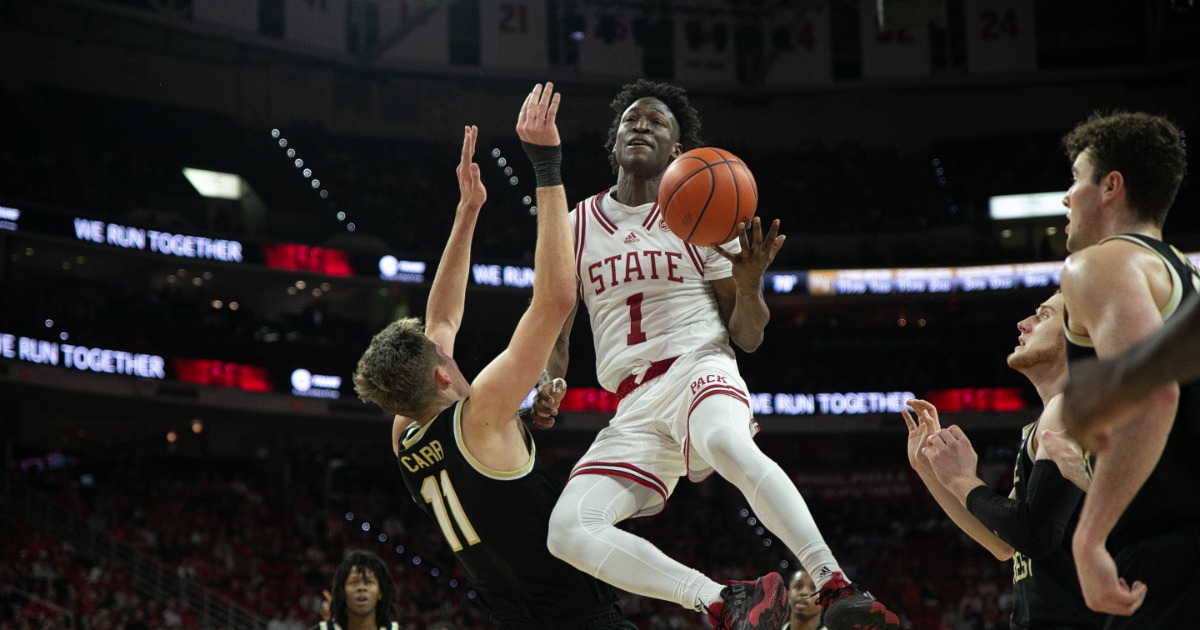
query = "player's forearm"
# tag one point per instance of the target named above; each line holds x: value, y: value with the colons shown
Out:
x: 748, y: 319
x: 1123, y: 469
x: 964, y: 519
x: 560, y: 355
x: 554, y: 280
x: 448, y: 292
x: 1170, y: 354
x: 1035, y: 524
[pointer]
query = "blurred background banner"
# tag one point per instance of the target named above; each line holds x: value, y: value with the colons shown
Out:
x: 241, y: 15
x: 799, y: 46
x: 897, y: 51
x: 1001, y: 37
x: 319, y: 24
x: 608, y: 40
x: 512, y: 35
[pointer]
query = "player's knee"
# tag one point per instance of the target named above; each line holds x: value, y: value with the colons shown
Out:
x: 565, y: 532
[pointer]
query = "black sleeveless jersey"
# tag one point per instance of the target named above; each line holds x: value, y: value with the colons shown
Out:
x: 1046, y: 590
x: 1170, y: 499
x: 496, y: 524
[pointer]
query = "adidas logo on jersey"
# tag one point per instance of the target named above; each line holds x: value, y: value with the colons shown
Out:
x: 632, y: 238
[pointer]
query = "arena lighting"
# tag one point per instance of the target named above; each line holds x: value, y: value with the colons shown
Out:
x: 999, y: 399
x: 215, y: 184
x: 1046, y: 204
x: 82, y: 358
x: 8, y: 218
x: 213, y: 373
x: 166, y: 243
x: 314, y: 183
x: 502, y: 164
x: 295, y: 257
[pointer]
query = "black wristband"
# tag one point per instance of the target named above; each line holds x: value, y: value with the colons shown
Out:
x: 547, y: 163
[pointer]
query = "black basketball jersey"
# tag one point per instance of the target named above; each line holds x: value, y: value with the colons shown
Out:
x: 1046, y: 590
x: 496, y: 523
x: 1170, y: 499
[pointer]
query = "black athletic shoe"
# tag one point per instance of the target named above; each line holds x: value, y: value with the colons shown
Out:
x: 758, y: 605
x: 850, y: 607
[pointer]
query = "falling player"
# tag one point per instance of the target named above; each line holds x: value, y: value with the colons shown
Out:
x: 662, y: 314
x: 464, y: 455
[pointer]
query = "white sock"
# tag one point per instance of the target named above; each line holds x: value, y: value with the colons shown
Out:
x: 720, y: 434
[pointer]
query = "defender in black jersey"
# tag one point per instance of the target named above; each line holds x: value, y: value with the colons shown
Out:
x: 1137, y: 544
x: 1033, y: 525
x: 496, y: 524
x: 1157, y: 540
x: 464, y: 455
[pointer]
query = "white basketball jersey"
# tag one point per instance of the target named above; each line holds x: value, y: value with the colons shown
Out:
x: 646, y: 290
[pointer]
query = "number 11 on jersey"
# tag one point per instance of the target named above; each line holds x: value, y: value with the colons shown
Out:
x: 430, y: 492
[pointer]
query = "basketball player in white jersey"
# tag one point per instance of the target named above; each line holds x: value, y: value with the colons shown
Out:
x: 662, y: 313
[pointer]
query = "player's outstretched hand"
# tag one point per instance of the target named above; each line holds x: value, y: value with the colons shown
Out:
x: 920, y: 427
x: 536, y: 122
x: 471, y: 192
x: 953, y: 460
x: 757, y: 252
x: 550, y: 393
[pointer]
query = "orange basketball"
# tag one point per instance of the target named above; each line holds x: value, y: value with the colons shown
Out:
x: 705, y: 193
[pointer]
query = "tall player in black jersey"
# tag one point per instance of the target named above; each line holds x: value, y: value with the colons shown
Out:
x: 1137, y: 546
x: 1033, y: 525
x: 464, y: 455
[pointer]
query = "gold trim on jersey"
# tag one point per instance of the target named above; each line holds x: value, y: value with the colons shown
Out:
x: 1168, y: 309
x: 484, y: 470
x: 1028, y: 433
x: 414, y: 432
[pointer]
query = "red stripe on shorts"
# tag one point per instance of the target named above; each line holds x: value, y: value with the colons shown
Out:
x: 714, y: 390
x: 627, y: 471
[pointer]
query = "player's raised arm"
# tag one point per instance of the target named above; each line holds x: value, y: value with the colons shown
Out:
x: 444, y: 311
x: 505, y: 382
x: 923, y: 424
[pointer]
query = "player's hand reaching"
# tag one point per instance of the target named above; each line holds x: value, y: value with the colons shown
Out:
x: 550, y: 393
x: 471, y: 192
x: 536, y: 123
x: 953, y: 460
x: 920, y: 428
x: 757, y: 252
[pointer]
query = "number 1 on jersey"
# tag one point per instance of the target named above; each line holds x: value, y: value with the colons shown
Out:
x: 635, y: 335
x: 429, y: 492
